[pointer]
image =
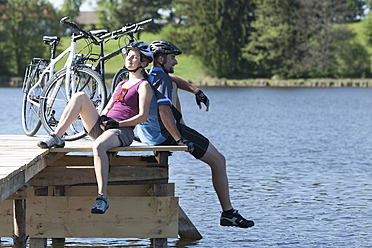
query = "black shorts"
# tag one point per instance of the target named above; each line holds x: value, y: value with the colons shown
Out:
x: 125, y: 134
x: 200, y: 142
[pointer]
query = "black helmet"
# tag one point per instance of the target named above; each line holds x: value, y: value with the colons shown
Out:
x: 164, y: 46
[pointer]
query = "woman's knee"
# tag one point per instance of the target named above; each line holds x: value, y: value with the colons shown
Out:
x: 99, y: 147
x: 80, y: 97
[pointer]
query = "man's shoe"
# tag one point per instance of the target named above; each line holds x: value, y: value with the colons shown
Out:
x: 52, y: 141
x: 101, y: 205
x: 235, y: 219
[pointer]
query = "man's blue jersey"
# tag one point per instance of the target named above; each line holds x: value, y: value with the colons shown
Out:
x: 152, y: 131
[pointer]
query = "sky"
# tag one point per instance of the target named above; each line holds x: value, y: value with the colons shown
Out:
x: 88, y: 5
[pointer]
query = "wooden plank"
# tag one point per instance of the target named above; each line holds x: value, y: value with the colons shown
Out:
x: 132, y: 148
x: 112, y: 190
x: 127, y: 217
x: 38, y: 243
x: 11, y: 183
x: 6, y: 216
x: 87, y: 160
x: 186, y: 228
x: 80, y: 175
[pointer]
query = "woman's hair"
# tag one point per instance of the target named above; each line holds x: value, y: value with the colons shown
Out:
x: 144, y: 59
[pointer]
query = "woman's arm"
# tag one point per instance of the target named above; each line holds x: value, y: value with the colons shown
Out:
x: 108, y: 107
x: 145, y: 95
x: 110, y: 103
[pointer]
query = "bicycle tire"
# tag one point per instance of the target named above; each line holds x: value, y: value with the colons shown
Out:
x: 30, y: 111
x: 52, y: 107
x: 120, y: 76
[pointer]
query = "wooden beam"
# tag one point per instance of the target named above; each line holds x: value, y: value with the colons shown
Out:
x: 54, y: 176
x: 87, y: 160
x: 127, y: 217
x: 133, y: 148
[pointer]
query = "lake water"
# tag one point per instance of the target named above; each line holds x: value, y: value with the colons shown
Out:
x: 299, y: 165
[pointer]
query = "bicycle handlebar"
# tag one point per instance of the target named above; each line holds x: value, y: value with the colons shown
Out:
x: 78, y: 29
x: 127, y: 28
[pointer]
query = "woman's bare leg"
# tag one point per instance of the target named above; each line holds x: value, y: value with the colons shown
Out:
x: 101, y: 145
x: 80, y: 104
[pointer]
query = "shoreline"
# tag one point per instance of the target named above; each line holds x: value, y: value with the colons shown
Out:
x: 259, y: 83
x: 290, y: 83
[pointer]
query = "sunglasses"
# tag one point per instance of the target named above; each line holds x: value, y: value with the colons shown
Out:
x: 121, y: 94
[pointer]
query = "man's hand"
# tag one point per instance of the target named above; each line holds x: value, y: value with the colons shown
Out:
x: 200, y: 97
x: 107, y: 122
x: 185, y: 142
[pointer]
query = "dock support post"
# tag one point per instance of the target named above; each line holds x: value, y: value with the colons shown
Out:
x: 19, y: 215
x: 160, y: 190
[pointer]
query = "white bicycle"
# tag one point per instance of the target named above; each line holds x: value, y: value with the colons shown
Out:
x: 46, y: 92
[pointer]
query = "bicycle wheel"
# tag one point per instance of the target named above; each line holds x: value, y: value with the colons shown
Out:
x: 120, y: 76
x: 31, y: 98
x: 55, y: 98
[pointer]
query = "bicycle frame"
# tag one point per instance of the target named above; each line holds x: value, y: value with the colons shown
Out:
x: 49, y: 70
x: 69, y: 86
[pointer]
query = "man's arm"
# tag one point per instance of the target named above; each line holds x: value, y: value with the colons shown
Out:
x: 183, y: 84
x: 167, y: 118
x: 200, y: 97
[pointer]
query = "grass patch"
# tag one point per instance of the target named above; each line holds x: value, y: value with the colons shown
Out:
x: 188, y: 66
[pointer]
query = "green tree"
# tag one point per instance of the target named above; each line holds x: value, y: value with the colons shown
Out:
x: 115, y: 14
x: 351, y: 58
x: 272, y: 40
x: 295, y: 38
x: 71, y: 8
x: 316, y: 32
x: 217, y: 29
x: 23, y: 22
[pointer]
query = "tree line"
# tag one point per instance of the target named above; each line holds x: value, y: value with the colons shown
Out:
x: 232, y: 38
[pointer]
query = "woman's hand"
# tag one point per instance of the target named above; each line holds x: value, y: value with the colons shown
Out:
x: 107, y: 122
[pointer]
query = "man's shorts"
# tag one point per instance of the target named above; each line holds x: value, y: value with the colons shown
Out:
x: 125, y: 134
x: 200, y: 142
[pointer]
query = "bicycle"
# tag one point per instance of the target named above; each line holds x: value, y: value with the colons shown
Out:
x: 123, y: 74
x: 57, y: 94
x: 39, y: 73
x: 33, y: 83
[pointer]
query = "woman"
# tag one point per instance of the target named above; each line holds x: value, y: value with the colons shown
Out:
x: 128, y: 106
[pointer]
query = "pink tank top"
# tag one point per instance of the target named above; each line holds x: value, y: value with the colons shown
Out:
x: 126, y: 102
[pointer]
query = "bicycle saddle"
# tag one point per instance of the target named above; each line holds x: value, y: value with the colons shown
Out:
x: 49, y: 39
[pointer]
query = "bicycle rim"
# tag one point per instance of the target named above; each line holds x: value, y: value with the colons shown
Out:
x: 120, y: 76
x: 30, y: 104
x: 55, y: 99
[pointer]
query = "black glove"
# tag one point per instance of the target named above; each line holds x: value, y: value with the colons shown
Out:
x: 201, y: 97
x: 103, y: 118
x: 185, y: 142
x: 108, y: 122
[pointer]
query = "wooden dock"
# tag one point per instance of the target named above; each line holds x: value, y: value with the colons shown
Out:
x: 58, y: 186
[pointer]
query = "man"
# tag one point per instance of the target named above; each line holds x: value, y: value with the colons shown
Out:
x: 164, y: 127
